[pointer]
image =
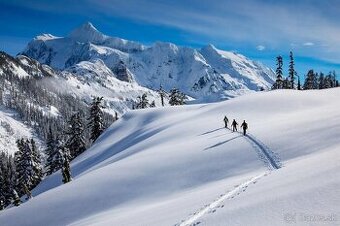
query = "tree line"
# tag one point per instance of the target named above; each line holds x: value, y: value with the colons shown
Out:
x: 19, y: 175
x: 312, y: 80
x: 175, y: 96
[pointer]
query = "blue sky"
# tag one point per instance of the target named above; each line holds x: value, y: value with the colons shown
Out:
x: 259, y: 29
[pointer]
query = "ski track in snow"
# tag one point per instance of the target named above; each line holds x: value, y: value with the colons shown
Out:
x: 270, y: 159
x: 213, y: 206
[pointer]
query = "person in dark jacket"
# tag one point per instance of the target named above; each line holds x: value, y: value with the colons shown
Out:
x: 226, y: 120
x: 244, y: 125
x: 234, y: 125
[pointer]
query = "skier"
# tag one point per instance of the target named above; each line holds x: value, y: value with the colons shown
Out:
x: 244, y: 125
x: 233, y: 125
x: 226, y: 120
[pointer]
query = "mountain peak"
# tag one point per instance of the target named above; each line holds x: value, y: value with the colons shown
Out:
x: 45, y: 37
x: 210, y: 48
x: 89, y: 25
x: 87, y: 33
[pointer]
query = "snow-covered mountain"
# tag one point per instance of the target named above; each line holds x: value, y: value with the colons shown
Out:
x: 180, y: 166
x: 207, y: 74
x: 82, y: 80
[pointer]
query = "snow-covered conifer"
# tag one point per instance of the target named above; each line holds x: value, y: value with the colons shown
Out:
x: 28, y: 165
x: 75, y: 142
x: 279, y: 75
x: 96, y: 122
x: 142, y: 101
x: 162, y: 94
x: 176, y: 97
x: 311, y: 80
x: 52, y: 163
x: 65, y: 160
x: 291, y: 71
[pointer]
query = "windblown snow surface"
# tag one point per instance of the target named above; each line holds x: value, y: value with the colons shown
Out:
x: 179, y: 166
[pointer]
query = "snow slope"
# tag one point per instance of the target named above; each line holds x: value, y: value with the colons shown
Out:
x: 207, y: 74
x: 93, y: 78
x: 179, y: 166
x: 12, y: 129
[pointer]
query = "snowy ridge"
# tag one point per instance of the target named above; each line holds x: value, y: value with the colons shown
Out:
x: 88, y: 33
x: 207, y: 75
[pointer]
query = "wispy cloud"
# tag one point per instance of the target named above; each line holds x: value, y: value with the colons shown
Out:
x: 308, y: 44
x: 275, y: 24
x: 260, y: 47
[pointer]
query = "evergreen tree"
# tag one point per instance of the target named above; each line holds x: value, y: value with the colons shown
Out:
x: 316, y: 81
x: 291, y: 73
x: 153, y: 104
x: 162, y: 94
x: 299, y: 84
x: 75, y: 142
x: 7, y: 179
x: 286, y: 83
x: 311, y: 80
x: 96, y: 122
x: 65, y: 160
x: 328, y: 81
x: 116, y: 116
x: 279, y: 75
x: 23, y: 167
x: 142, y: 101
x: 334, y: 81
x: 52, y: 162
x: 321, y: 81
x: 176, y: 97
x: 28, y: 165
x: 37, y: 167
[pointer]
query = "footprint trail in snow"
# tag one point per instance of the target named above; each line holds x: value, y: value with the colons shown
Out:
x: 211, y: 208
x: 266, y: 155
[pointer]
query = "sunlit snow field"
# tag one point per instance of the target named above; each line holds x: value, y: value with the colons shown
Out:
x: 179, y: 166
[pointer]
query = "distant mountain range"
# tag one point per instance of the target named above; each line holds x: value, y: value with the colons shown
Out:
x: 207, y: 74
